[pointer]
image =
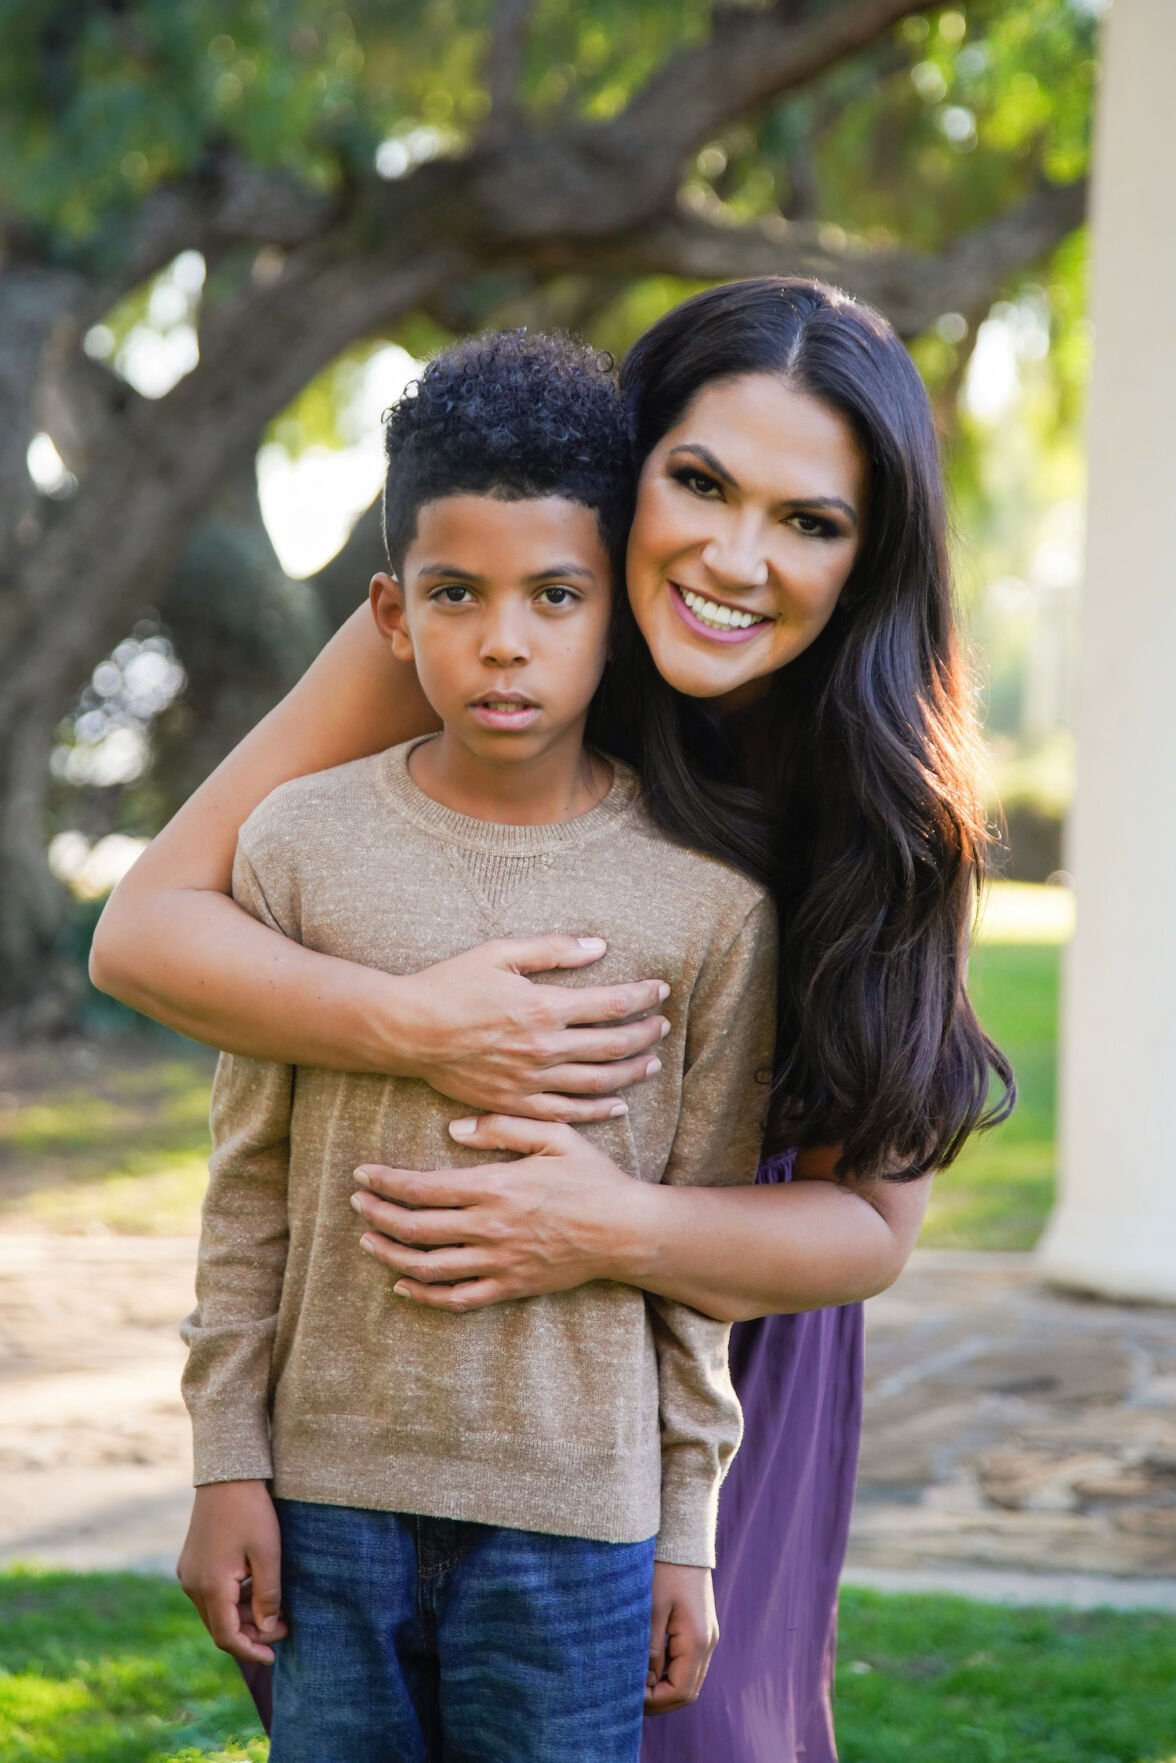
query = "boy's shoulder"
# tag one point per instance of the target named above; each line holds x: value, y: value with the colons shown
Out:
x: 693, y: 881
x: 310, y: 810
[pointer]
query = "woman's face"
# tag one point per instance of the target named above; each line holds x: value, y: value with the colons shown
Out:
x: 749, y: 518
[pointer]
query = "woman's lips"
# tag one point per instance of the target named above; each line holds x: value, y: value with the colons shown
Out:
x: 716, y: 635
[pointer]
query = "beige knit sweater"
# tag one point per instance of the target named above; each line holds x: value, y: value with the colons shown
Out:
x: 598, y: 1412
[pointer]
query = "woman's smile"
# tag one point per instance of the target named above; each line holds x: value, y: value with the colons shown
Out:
x: 716, y: 620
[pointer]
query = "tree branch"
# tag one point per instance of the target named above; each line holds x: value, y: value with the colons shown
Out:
x: 751, y: 55
x: 912, y: 289
x: 226, y: 203
x: 504, y: 65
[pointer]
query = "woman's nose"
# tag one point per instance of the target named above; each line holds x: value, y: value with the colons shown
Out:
x: 736, y: 555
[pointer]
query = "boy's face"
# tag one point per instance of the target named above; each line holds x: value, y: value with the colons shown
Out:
x: 505, y: 609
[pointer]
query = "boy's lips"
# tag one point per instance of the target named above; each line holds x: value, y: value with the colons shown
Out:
x: 715, y: 619
x: 504, y: 710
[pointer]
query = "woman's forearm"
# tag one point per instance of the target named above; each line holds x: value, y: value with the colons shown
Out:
x: 735, y: 1253
x: 563, y: 1214
x: 224, y: 978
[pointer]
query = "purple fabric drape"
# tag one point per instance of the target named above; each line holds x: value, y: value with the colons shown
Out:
x: 783, y: 1527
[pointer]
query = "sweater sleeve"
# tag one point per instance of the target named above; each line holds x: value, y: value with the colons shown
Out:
x: 729, y: 1048
x: 242, y: 1255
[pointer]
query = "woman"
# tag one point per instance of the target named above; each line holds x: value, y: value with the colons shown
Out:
x: 787, y: 569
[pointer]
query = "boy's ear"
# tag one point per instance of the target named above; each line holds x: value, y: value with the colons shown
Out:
x: 387, y: 602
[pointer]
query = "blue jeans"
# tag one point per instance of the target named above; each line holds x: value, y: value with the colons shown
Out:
x: 427, y: 1640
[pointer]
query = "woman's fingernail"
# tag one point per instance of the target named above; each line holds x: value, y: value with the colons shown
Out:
x: 461, y: 1129
x: 400, y: 1289
x: 665, y: 1028
x: 363, y: 1178
x: 621, y: 1108
x: 663, y: 991
x: 652, y: 1069
x: 368, y: 1243
x: 592, y: 943
x: 357, y: 1202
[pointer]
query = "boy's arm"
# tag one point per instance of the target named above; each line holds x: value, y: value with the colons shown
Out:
x: 242, y: 1255
x: 233, y: 1535
x: 729, y: 1046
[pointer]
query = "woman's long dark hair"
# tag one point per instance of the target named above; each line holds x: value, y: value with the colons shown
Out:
x: 873, y: 838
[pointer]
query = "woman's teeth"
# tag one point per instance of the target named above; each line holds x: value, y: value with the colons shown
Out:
x: 722, y: 617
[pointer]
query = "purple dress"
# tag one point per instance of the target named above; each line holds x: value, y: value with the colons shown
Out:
x: 783, y: 1525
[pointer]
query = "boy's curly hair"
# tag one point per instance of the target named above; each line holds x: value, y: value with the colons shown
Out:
x: 516, y: 415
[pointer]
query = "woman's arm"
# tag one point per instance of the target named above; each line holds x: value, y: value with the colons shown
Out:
x: 565, y: 1214
x: 173, y: 944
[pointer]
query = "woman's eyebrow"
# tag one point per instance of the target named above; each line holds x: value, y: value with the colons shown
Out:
x: 720, y: 471
x: 708, y: 459
x: 807, y: 502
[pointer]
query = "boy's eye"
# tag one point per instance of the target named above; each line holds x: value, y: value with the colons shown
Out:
x: 558, y: 596
x: 453, y: 595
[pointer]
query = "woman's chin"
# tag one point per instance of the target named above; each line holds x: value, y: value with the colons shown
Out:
x: 702, y: 676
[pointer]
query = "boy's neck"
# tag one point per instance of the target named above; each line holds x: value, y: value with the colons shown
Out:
x: 562, y: 782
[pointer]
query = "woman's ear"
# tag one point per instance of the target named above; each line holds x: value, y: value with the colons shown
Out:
x: 387, y: 602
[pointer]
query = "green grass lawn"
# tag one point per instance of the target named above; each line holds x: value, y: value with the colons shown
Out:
x: 120, y: 1143
x: 123, y: 1146
x: 113, y: 1668
x: 998, y: 1193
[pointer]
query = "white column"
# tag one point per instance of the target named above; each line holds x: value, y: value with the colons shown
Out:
x: 1114, y: 1228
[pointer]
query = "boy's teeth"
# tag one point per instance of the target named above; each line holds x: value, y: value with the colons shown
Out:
x: 722, y: 617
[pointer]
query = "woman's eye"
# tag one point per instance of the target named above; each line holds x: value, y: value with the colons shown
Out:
x: 558, y: 596
x: 696, y: 481
x: 812, y: 526
x: 451, y: 596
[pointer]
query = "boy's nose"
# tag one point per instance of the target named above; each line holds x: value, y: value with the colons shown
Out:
x: 503, y: 645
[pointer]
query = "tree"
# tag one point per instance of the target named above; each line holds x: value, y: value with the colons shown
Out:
x: 361, y: 171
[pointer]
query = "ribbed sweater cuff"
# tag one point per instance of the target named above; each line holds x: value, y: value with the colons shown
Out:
x: 231, y: 1447
x: 689, y: 1515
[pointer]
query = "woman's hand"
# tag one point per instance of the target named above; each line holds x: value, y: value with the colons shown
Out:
x: 460, y: 1239
x: 478, y: 1030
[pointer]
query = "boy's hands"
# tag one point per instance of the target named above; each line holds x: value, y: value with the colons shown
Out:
x: 684, y: 1631
x: 233, y: 1538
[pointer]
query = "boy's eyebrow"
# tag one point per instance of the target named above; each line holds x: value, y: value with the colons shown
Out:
x: 452, y: 573
x: 448, y: 569
x: 721, y: 472
x: 580, y: 569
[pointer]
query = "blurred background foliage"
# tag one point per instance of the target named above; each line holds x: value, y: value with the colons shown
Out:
x: 937, y: 125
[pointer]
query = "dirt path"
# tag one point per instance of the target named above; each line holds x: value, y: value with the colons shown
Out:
x: 1017, y: 1439
x: 94, y: 1450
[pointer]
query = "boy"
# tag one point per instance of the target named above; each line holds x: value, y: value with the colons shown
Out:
x: 470, y: 1506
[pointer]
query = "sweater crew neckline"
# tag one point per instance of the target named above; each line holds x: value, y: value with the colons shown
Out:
x: 498, y: 837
